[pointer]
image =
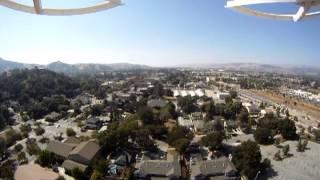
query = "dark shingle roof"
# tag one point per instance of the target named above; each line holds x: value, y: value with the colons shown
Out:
x: 159, y: 168
x: 72, y: 141
x: 70, y: 165
x: 156, y: 103
x: 60, y: 148
x: 86, y: 150
x: 215, y: 167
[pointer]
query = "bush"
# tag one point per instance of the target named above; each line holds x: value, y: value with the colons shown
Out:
x: 25, y: 128
x: 18, y: 147
x: 213, y: 141
x: 247, y: 159
x: 46, y: 159
x: 39, y: 131
x: 287, y: 129
x: 286, y: 150
x: 22, y: 158
x: 263, y: 136
x: 12, y: 136
x: 44, y: 140
x: 70, y: 132
x: 33, y: 148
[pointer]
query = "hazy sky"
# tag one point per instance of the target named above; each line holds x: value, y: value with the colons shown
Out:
x: 157, y: 32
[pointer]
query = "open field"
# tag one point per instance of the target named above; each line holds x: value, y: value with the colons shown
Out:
x: 311, y: 109
x: 301, y: 166
x: 308, y: 115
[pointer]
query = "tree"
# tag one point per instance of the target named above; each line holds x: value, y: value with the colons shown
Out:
x: 287, y: 113
x: 181, y: 145
x: 70, y: 132
x: 33, y: 148
x: 317, y: 135
x: 158, y: 90
x: 277, y: 156
x: 39, y: 131
x: 3, y: 147
x: 78, y: 174
x: 96, y: 175
x: 12, y: 136
x: 213, y: 141
x: 243, y: 117
x: 146, y: 115
x: 60, y: 178
x: 286, y: 150
x: 179, y: 133
x: 305, y: 144
x: 228, y: 99
x: 263, y: 136
x: 300, y: 147
x: 22, y: 158
x: 187, y: 104
x: 233, y: 94
x: 6, y: 171
x: 96, y: 110
x: 247, y: 158
x: 18, y: 147
x: 25, y: 128
x: 287, y: 129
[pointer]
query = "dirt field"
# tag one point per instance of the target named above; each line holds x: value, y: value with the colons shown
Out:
x: 309, y: 108
x: 308, y: 114
x: 301, y: 166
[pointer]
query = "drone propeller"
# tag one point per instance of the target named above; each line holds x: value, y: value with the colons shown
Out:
x: 37, y: 8
x: 303, y: 11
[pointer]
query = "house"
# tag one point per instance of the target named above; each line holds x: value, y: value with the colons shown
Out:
x: 196, y: 116
x: 156, y: 103
x: 76, y: 154
x: 252, y: 108
x: 84, y: 152
x: 82, y: 99
x: 221, y: 168
x: 199, y: 126
x: 222, y: 95
x: 159, y: 169
x: 93, y: 123
x: 185, y: 122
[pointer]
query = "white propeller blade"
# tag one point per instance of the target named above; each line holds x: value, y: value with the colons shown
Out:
x: 37, y: 8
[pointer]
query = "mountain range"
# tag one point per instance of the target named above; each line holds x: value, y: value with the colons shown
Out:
x: 72, y: 69
x: 90, y: 68
x: 257, y: 67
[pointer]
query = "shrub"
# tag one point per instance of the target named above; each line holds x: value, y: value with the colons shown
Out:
x: 18, y: 147
x: 70, y: 132
x: 39, y: 131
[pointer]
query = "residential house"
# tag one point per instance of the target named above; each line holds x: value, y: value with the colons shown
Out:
x: 221, y: 168
x: 159, y: 169
x: 76, y: 154
x: 93, y: 123
x: 222, y: 95
x: 156, y: 103
x: 82, y: 99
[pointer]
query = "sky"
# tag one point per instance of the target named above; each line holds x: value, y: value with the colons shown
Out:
x: 158, y: 33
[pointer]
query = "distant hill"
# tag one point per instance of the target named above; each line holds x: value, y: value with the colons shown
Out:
x: 256, y: 67
x: 8, y: 65
x: 73, y: 69
x: 23, y: 84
